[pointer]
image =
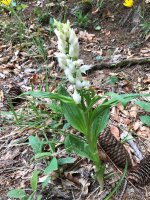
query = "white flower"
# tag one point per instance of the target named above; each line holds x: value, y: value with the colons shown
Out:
x: 79, y: 75
x: 72, y: 36
x: 60, y: 35
x: 62, y: 45
x: 78, y: 84
x: 74, y: 49
x: 84, y: 68
x: 76, y: 96
x: 78, y: 62
x: 62, y: 60
x: 86, y: 84
x: 71, y: 65
x: 69, y: 75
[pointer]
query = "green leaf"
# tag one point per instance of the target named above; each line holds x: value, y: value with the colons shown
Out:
x: 55, y: 107
x: 93, y: 101
x: 78, y: 146
x: 17, y: 193
x: 144, y: 105
x: 53, y: 165
x: 36, y: 144
x: 118, y: 98
x: 126, y: 97
x: 100, y: 123
x: 34, y: 180
x: 42, y: 155
x: 40, y: 94
x: 75, y: 116
x: 99, y: 110
x: 145, y: 119
x: 67, y: 160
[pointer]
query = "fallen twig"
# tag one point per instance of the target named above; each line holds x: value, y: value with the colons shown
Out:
x: 123, y: 63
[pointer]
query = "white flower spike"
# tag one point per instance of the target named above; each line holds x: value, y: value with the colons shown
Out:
x: 68, y: 58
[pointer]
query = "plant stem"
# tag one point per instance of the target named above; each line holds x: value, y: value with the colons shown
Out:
x: 99, y: 169
x: 100, y: 175
x: 95, y: 154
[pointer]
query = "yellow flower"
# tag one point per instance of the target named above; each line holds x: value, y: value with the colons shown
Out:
x: 128, y: 3
x: 6, y: 2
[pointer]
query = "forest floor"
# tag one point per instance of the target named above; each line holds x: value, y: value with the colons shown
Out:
x: 115, y: 40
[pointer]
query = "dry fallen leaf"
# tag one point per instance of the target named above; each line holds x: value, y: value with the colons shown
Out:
x: 144, y: 132
x: 133, y: 111
x: 125, y: 121
x: 115, y: 131
x: 137, y: 125
x: 115, y: 114
x: 87, y: 37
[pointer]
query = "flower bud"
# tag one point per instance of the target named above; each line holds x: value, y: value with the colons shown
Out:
x: 86, y: 84
x: 60, y: 35
x: 71, y: 65
x: 76, y: 96
x: 62, y: 60
x: 78, y: 62
x: 74, y: 49
x: 84, y: 68
x: 62, y: 46
x: 78, y: 84
x: 69, y: 75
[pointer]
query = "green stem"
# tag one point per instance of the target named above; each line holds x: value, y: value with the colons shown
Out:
x: 95, y: 154
x: 99, y: 171
x: 98, y: 165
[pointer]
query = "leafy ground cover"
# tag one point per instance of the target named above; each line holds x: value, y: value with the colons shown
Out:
x: 115, y: 40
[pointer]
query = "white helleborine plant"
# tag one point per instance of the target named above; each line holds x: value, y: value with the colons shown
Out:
x: 68, y: 58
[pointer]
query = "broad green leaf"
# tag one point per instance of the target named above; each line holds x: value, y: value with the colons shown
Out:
x: 42, y: 155
x: 99, y: 110
x: 93, y: 101
x: 144, y: 105
x: 36, y: 144
x: 117, y: 98
x: 75, y: 116
x: 78, y: 146
x: 40, y: 94
x: 16, y: 193
x: 55, y: 107
x: 145, y: 119
x: 100, y: 123
x: 53, y: 165
x: 67, y: 160
x: 34, y: 180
